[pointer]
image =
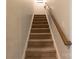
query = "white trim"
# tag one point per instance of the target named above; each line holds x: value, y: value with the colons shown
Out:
x: 26, y: 44
x: 55, y: 45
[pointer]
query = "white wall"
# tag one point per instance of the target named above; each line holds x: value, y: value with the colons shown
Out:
x: 19, y: 15
x: 63, y: 51
x: 61, y: 9
x: 39, y: 8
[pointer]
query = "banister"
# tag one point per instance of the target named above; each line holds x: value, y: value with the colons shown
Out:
x: 63, y: 36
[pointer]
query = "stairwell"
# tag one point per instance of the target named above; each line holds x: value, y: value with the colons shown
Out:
x: 40, y: 44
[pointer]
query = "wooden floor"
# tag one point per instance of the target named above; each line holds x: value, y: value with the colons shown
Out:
x: 40, y: 44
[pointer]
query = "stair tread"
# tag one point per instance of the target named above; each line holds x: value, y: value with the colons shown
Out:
x: 47, y: 49
x: 40, y: 15
x: 40, y: 18
x: 41, y: 53
x: 40, y: 57
x: 40, y: 28
x: 40, y: 40
x: 40, y: 33
x: 40, y: 21
x: 39, y: 24
x: 45, y: 36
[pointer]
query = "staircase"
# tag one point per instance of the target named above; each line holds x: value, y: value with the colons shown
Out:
x: 40, y: 44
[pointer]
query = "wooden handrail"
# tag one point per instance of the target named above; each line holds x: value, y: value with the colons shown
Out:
x: 63, y: 36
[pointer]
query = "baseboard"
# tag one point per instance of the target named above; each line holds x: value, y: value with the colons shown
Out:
x: 58, y: 56
x: 26, y: 44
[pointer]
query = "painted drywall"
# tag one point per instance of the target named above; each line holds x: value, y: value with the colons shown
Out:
x: 63, y: 51
x: 19, y: 16
x: 39, y: 8
x: 61, y: 11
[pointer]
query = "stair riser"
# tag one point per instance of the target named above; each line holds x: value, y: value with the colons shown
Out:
x: 40, y: 19
x: 40, y: 31
x: 39, y: 16
x: 40, y: 44
x: 42, y: 54
x: 41, y: 57
x: 40, y: 37
x: 40, y: 26
x: 40, y: 22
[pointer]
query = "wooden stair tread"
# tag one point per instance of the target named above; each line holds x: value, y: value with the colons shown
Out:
x: 40, y: 30
x: 40, y: 34
x: 39, y: 39
x: 42, y: 49
x: 48, y: 40
x: 40, y: 44
x: 40, y: 57
x: 40, y: 21
x: 40, y: 24
x: 34, y: 52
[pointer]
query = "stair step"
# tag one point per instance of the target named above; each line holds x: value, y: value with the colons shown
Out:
x: 40, y: 44
x: 40, y: 26
x: 40, y: 30
x: 40, y: 19
x: 40, y: 22
x: 41, y: 52
x: 39, y: 15
x: 40, y: 40
x: 41, y: 49
x: 35, y: 40
x: 40, y: 36
x: 40, y: 57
